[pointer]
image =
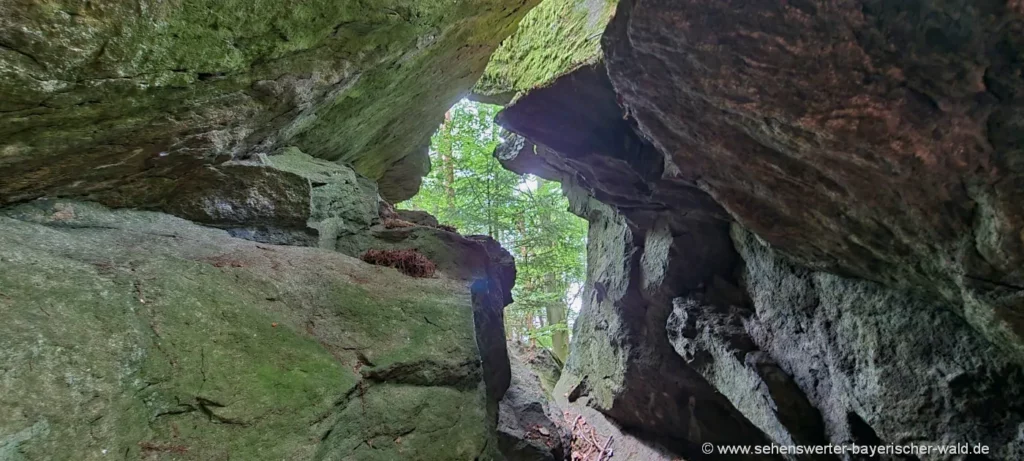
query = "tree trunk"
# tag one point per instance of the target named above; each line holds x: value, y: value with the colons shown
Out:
x: 560, y: 338
x: 448, y: 164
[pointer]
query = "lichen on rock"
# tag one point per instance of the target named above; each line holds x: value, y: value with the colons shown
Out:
x: 143, y: 335
x: 552, y: 39
x: 116, y: 100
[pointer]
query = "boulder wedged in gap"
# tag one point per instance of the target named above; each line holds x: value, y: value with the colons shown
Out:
x: 530, y: 426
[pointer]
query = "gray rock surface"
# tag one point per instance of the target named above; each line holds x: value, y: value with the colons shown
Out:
x: 867, y: 144
x: 867, y: 138
x: 137, y: 335
x: 620, y: 358
x: 530, y: 426
x: 285, y: 198
x: 880, y: 363
x: 118, y: 100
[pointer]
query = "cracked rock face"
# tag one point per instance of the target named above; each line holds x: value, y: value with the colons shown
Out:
x: 878, y: 363
x: 530, y: 426
x: 873, y: 139
x: 117, y: 100
x: 861, y: 153
x: 144, y: 335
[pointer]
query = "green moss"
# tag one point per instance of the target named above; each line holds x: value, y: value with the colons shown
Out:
x: 145, y: 336
x: 447, y: 427
x: 115, y: 83
x: 554, y: 38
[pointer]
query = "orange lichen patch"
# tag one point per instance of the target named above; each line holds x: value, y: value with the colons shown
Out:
x: 408, y: 262
x: 395, y: 223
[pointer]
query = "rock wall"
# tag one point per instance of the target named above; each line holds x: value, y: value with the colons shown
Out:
x: 280, y: 131
x: 804, y: 214
x: 143, y: 336
x: 871, y: 139
x: 124, y: 101
x: 874, y: 363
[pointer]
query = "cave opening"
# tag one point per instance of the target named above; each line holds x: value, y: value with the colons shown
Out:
x: 469, y: 190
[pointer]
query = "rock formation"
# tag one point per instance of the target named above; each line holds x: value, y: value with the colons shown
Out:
x: 124, y: 102
x: 140, y: 335
x: 530, y: 426
x: 243, y: 326
x: 805, y: 227
x: 805, y: 221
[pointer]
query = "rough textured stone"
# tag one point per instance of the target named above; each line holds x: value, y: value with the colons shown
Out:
x: 530, y: 426
x: 646, y: 245
x: 137, y: 335
x: 552, y: 39
x: 624, y: 446
x: 541, y: 362
x: 881, y: 364
x: 421, y: 218
x: 286, y: 198
x: 620, y: 359
x: 575, y: 130
x: 117, y: 100
x: 480, y: 261
x: 714, y: 342
x: 869, y: 145
x: 866, y: 138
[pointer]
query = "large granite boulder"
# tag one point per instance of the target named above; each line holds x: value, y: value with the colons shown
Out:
x: 138, y: 335
x: 866, y: 138
x: 117, y: 100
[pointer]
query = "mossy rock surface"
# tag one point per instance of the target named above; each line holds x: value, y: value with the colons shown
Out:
x: 115, y: 100
x: 135, y: 335
x: 553, y: 39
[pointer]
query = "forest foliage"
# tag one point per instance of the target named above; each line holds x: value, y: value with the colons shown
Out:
x: 467, y: 188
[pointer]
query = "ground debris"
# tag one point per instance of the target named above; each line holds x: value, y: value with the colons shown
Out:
x: 408, y: 262
x: 587, y: 444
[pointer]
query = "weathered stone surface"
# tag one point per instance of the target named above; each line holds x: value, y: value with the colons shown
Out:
x: 574, y: 129
x: 869, y: 144
x: 479, y: 261
x: 141, y: 336
x: 714, y: 342
x: 648, y: 243
x: 621, y: 361
x: 421, y: 218
x: 867, y: 138
x: 553, y: 39
x: 117, y: 100
x: 881, y: 364
x: 624, y: 447
x: 285, y: 198
x: 541, y: 362
x: 530, y: 426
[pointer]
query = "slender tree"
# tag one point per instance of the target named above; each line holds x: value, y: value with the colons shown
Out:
x: 528, y: 215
